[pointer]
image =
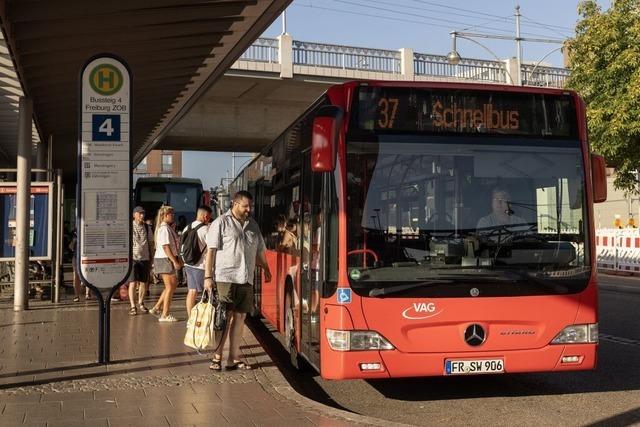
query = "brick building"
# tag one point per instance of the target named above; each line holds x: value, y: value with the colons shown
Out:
x: 160, y: 163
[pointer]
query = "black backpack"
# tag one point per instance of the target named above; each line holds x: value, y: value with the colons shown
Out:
x: 190, y: 245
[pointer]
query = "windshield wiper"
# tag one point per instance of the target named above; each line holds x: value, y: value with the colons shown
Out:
x: 540, y: 282
x: 399, y: 288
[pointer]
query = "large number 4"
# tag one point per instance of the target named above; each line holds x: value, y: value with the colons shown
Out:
x: 106, y: 127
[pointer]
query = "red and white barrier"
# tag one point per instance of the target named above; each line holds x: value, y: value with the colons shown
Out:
x: 618, y: 250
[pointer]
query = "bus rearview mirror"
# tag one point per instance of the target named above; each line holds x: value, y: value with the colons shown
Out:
x: 324, y: 141
x: 599, y: 178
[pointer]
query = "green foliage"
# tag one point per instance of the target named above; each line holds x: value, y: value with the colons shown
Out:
x: 604, y: 59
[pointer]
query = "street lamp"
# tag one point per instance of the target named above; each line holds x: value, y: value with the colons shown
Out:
x: 535, y: 67
x: 454, y: 57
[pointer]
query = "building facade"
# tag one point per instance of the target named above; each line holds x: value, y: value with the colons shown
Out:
x: 160, y: 163
x: 620, y: 210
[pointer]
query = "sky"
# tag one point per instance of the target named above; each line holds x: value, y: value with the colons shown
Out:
x: 421, y: 25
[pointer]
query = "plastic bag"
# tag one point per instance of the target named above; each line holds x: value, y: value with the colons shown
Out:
x: 220, y: 315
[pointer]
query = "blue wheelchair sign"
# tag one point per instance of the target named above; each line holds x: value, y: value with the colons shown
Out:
x: 344, y: 296
x: 105, y: 127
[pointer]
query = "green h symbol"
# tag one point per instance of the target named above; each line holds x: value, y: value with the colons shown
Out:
x: 105, y: 76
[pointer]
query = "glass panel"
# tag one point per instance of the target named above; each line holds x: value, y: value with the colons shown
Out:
x: 183, y: 198
x: 331, y: 243
x: 454, y: 214
x: 167, y: 162
x: 153, y: 193
x: 142, y: 166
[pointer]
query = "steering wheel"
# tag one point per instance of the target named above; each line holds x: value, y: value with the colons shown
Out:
x: 510, y: 233
x: 366, y: 252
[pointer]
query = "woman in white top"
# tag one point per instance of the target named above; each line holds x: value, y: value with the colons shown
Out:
x: 166, y: 262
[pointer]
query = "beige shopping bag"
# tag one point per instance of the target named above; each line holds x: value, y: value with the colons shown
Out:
x: 200, y: 325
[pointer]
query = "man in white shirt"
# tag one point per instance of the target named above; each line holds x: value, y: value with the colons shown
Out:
x: 235, y: 247
x: 195, y: 271
x: 141, y: 254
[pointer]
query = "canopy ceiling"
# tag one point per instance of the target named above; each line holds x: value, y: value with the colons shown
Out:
x: 176, y: 50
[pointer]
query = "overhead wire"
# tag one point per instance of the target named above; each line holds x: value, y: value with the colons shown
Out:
x: 353, y: 3
x: 350, y: 12
x: 481, y: 25
x: 511, y: 18
x: 548, y: 27
x: 426, y: 19
x: 394, y: 4
x: 448, y: 6
x: 496, y: 18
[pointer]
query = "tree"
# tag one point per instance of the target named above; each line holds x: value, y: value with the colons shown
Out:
x: 604, y: 58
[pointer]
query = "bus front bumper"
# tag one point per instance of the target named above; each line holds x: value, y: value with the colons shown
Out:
x: 396, y: 364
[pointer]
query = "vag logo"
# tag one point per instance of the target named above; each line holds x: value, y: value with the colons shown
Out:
x: 421, y: 310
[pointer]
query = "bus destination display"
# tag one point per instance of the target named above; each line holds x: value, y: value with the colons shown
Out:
x: 464, y: 112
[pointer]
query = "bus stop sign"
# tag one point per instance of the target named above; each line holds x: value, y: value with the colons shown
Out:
x: 104, y: 178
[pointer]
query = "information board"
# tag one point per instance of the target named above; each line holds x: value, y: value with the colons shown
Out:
x: 104, y: 165
x: 40, y: 221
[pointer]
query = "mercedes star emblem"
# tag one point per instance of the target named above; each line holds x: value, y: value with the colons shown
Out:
x: 474, y: 335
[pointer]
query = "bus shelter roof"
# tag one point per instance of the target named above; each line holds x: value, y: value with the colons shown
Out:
x: 176, y: 50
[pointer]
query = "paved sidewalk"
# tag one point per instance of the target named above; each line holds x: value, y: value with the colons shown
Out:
x: 48, y: 375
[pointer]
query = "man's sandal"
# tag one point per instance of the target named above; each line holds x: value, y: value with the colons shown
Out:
x: 216, y: 365
x: 239, y: 365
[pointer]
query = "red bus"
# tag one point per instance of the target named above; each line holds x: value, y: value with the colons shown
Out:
x: 426, y: 229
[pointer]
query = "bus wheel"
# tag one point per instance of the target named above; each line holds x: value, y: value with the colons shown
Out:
x: 290, y: 334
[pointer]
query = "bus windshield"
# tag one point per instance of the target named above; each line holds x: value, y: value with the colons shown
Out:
x: 455, y: 216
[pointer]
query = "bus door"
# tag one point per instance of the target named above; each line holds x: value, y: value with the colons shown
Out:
x: 261, y: 190
x: 311, y: 193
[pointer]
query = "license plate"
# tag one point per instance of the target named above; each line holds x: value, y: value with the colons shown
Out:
x: 470, y: 367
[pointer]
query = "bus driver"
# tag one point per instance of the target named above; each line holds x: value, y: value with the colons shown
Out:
x: 501, y: 213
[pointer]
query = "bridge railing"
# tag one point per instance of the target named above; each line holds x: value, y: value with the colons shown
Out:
x: 472, y: 69
x: 321, y: 55
x: 544, y: 76
x: 262, y: 50
x: 346, y: 57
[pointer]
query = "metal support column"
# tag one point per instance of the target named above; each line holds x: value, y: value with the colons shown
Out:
x: 59, y: 237
x: 23, y: 202
x: 50, y: 171
x: 41, y: 160
x: 518, y: 47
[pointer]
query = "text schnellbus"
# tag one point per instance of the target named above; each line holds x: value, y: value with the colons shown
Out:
x: 462, y: 118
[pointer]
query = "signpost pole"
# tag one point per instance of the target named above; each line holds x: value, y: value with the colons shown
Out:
x: 104, y: 326
x: 107, y: 327
x: 101, y: 328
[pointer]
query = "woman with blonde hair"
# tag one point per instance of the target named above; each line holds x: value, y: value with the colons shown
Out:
x: 166, y: 262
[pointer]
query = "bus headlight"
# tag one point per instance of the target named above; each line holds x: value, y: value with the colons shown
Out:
x: 577, y: 334
x: 357, y: 340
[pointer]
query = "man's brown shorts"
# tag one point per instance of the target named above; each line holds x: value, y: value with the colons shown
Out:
x: 239, y: 297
